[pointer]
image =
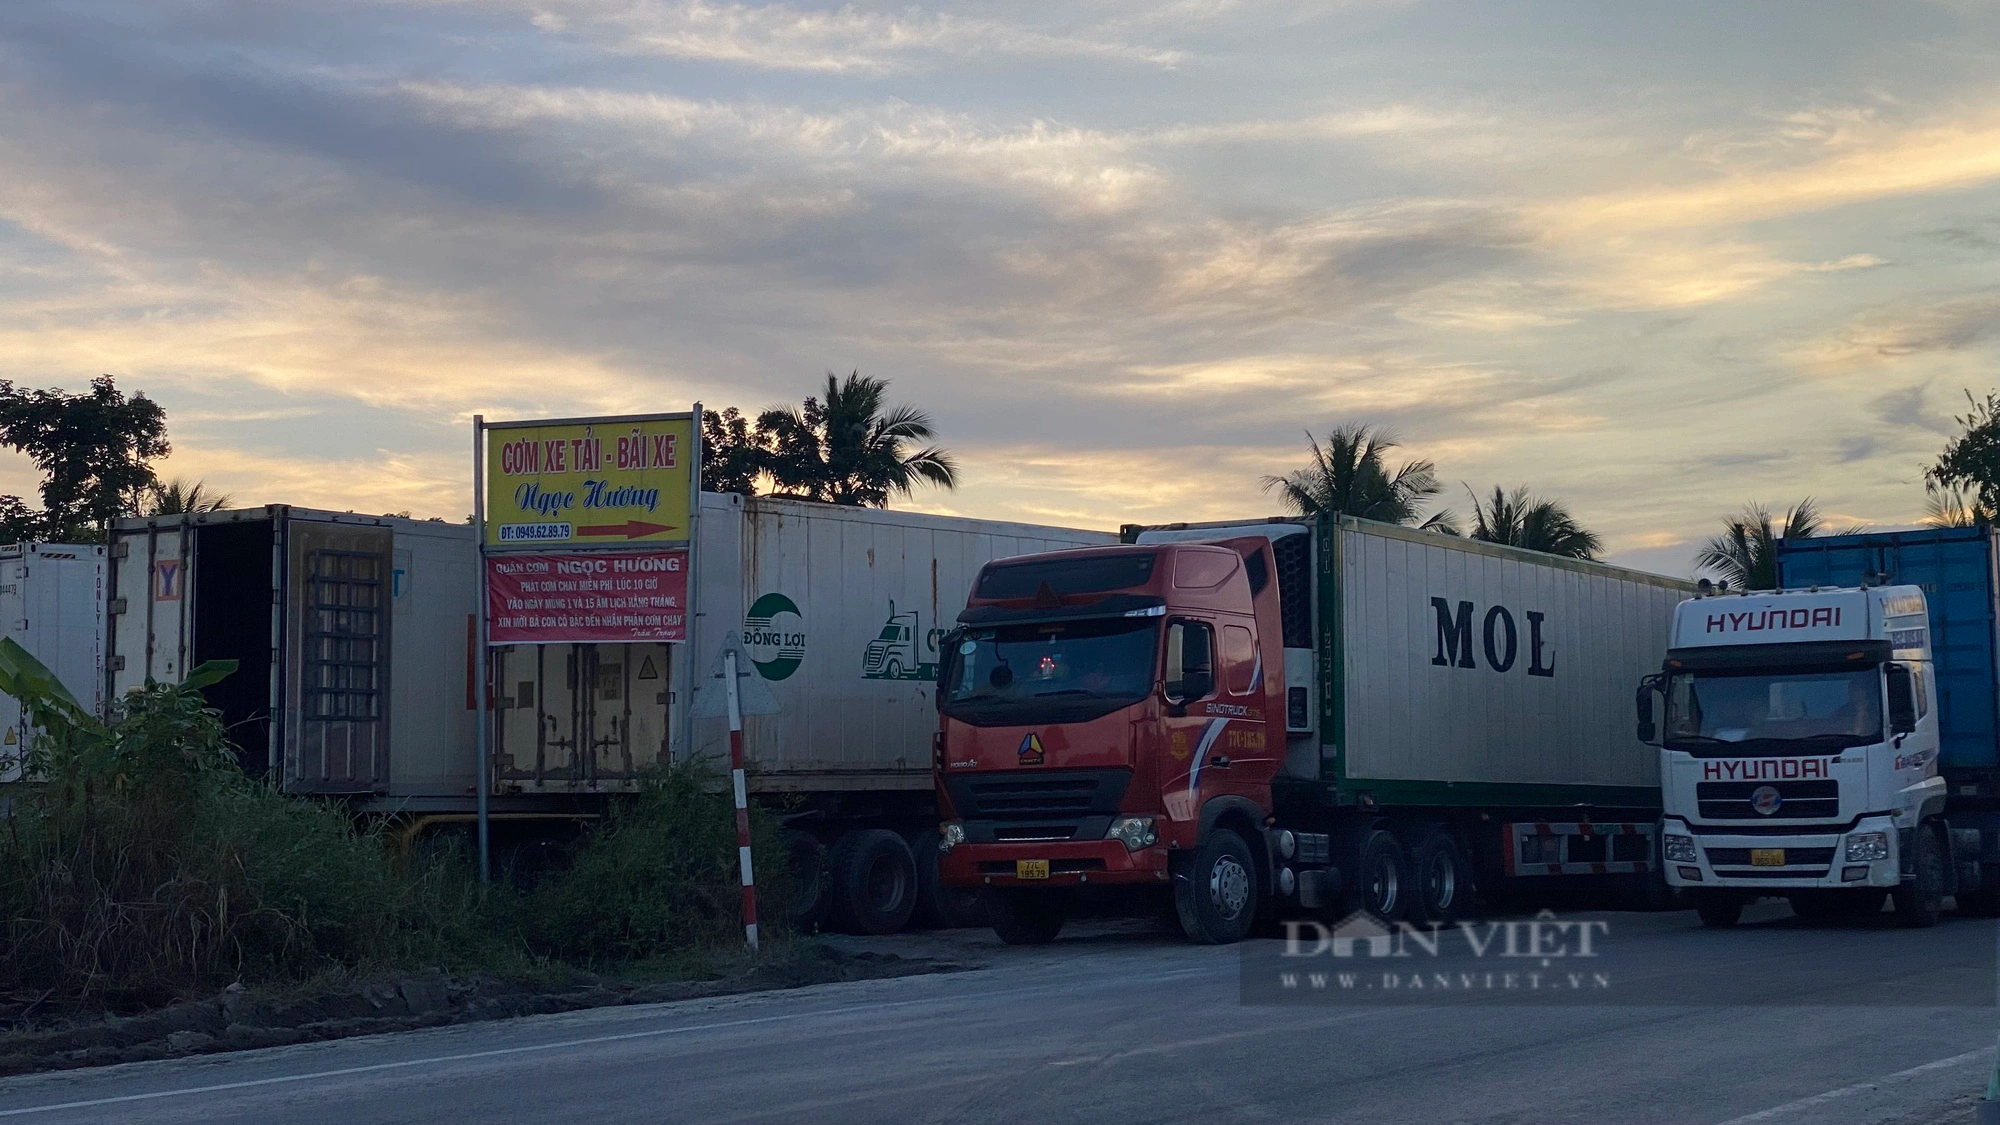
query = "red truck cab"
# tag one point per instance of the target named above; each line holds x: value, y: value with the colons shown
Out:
x: 1114, y: 715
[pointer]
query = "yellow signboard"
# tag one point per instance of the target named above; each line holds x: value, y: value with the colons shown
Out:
x: 600, y: 482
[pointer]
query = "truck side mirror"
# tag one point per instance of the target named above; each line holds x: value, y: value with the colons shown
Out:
x: 947, y: 666
x: 1649, y: 732
x: 1902, y: 699
x: 1190, y: 671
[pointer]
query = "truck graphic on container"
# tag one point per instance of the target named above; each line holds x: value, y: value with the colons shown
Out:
x: 903, y: 650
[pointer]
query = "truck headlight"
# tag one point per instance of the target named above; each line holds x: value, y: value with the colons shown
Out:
x: 1865, y: 846
x: 1135, y: 831
x: 1679, y: 849
x: 950, y: 835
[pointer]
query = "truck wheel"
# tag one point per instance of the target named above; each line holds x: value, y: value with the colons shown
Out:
x: 1984, y: 902
x: 809, y: 900
x: 1718, y: 909
x: 1381, y: 876
x: 1027, y: 917
x: 940, y: 906
x: 1216, y: 897
x: 1919, y: 901
x: 874, y: 881
x: 1443, y: 881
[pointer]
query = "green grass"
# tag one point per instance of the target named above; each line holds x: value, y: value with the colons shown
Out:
x: 143, y: 866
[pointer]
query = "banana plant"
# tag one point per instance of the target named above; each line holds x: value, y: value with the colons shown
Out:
x: 72, y: 736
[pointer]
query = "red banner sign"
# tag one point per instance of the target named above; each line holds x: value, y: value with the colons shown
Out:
x: 616, y: 596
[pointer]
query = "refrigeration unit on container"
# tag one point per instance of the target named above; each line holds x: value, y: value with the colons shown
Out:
x: 52, y: 604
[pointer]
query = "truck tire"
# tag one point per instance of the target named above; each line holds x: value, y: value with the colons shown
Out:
x: 1984, y: 902
x: 1382, y: 877
x: 1216, y: 896
x: 1719, y: 910
x: 1443, y: 881
x: 874, y: 881
x: 940, y: 906
x: 1027, y: 917
x: 810, y: 898
x: 1920, y: 901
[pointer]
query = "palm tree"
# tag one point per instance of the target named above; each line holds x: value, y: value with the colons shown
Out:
x: 178, y: 497
x: 1948, y: 506
x: 1746, y: 553
x: 849, y: 448
x: 1522, y: 519
x: 1350, y: 475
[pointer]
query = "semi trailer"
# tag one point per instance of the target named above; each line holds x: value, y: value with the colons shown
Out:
x: 1834, y: 741
x: 353, y: 637
x: 1324, y: 715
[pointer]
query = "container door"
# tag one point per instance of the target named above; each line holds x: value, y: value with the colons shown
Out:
x: 535, y: 717
x: 337, y: 651
x: 231, y: 587
x: 581, y: 717
x: 627, y: 711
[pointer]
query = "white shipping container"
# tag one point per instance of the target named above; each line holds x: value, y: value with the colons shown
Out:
x: 52, y: 603
x: 331, y: 693
x: 1465, y: 666
x: 840, y: 611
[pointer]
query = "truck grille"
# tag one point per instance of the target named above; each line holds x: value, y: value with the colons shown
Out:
x: 1797, y: 800
x: 1794, y: 857
x: 1056, y: 795
x: 1017, y: 807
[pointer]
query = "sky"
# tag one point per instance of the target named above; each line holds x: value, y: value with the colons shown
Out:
x: 1654, y: 260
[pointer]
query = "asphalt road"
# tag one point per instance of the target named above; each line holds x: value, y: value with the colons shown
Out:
x: 1124, y: 1027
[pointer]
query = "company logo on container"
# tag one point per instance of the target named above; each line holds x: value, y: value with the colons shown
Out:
x: 1757, y: 620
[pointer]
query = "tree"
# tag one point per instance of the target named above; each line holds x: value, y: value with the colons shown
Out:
x: 849, y: 448
x: 182, y: 498
x: 1971, y: 461
x: 1350, y: 475
x: 1522, y: 519
x: 1746, y: 553
x: 94, y: 451
x: 1948, y: 506
x: 733, y: 455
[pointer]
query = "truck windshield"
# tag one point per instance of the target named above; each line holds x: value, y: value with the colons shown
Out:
x: 1051, y: 672
x: 1750, y: 712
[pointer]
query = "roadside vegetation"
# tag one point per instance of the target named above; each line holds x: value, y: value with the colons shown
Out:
x: 845, y: 445
x: 141, y: 865
x: 1350, y: 474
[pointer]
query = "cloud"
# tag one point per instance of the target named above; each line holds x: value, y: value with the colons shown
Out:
x: 1882, y: 337
x: 841, y: 40
x: 1857, y: 165
x: 1106, y: 245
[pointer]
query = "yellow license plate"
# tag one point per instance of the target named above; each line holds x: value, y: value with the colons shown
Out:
x: 1031, y: 869
x: 1767, y: 857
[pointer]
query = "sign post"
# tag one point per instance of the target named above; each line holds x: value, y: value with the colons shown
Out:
x: 742, y: 797
x: 586, y: 536
x: 482, y: 753
x: 742, y: 694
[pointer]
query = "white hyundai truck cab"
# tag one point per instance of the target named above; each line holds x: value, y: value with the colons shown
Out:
x: 1798, y: 735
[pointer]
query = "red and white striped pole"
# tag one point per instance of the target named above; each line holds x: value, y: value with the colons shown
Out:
x: 742, y: 797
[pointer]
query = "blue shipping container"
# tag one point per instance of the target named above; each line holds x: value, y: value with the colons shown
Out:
x: 1955, y: 567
